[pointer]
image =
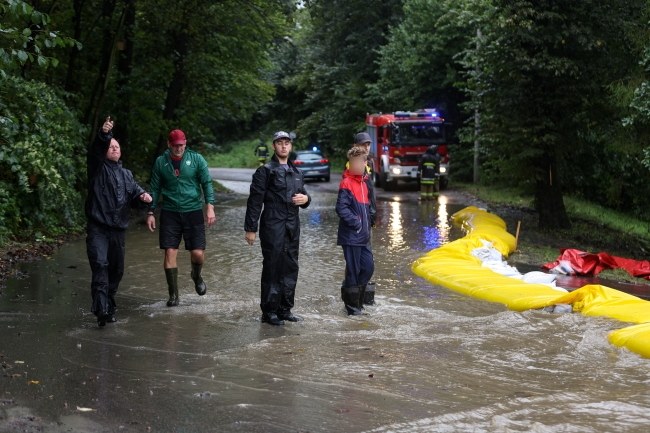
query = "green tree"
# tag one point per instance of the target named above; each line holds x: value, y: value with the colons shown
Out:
x: 41, y: 152
x: 204, y: 66
x: 542, y: 74
x: 418, y: 66
x: 40, y: 137
x: 337, y: 45
x: 26, y: 38
x: 639, y: 117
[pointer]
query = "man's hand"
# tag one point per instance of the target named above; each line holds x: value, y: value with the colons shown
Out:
x: 210, y: 217
x: 250, y: 238
x: 145, y: 197
x: 108, y: 125
x: 151, y: 222
x: 299, y: 199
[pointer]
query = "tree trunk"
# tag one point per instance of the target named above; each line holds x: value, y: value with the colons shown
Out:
x: 124, y: 69
x: 176, y: 85
x: 548, y: 198
x: 107, y: 53
x: 72, y: 83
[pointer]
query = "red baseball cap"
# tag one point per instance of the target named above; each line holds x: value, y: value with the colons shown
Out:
x: 177, y: 137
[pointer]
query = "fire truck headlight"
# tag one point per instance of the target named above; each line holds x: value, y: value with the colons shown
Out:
x: 396, y: 170
x: 443, y: 169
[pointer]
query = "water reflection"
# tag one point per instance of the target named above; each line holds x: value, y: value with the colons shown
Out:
x: 315, y: 218
x: 435, y: 227
x: 443, y: 220
x: 395, y: 227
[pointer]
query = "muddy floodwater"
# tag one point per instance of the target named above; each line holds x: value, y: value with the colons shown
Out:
x: 424, y: 359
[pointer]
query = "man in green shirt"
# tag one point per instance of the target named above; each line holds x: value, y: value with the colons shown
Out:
x: 181, y: 178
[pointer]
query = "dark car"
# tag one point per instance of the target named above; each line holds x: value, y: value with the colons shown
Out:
x: 313, y: 165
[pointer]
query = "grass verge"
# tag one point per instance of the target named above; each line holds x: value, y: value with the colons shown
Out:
x: 594, y: 229
x: 236, y: 154
x: 578, y: 209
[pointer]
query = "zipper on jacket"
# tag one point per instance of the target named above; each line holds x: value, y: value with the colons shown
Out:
x: 363, y: 183
x: 177, y: 178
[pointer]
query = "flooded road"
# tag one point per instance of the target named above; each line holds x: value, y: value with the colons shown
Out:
x: 424, y: 359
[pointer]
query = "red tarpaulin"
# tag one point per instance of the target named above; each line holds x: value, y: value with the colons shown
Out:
x: 576, y: 262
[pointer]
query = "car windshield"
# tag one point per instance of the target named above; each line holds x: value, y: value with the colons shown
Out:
x: 309, y: 157
x: 418, y: 133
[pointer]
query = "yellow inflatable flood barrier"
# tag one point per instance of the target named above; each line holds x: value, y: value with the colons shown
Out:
x: 454, y: 267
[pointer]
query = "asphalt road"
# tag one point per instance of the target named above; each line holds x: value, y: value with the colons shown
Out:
x: 238, y: 180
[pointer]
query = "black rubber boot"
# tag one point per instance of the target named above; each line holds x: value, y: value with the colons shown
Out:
x: 270, y: 304
x: 172, y: 285
x: 350, y: 297
x: 199, y: 284
x: 369, y: 294
x: 289, y: 316
x: 272, y: 319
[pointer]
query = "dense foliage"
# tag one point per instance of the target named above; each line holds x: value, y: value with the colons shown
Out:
x: 561, y: 88
x: 152, y: 65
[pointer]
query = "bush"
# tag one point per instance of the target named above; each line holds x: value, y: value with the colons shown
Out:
x: 42, y: 161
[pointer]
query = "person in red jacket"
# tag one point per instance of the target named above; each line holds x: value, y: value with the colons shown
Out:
x: 353, y: 209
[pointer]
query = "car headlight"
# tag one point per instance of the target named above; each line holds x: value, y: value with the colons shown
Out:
x: 396, y: 170
x: 443, y: 169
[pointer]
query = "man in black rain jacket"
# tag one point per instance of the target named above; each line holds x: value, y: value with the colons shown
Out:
x: 278, y: 189
x: 111, y: 192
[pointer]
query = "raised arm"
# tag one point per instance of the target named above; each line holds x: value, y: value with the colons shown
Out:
x: 97, y: 149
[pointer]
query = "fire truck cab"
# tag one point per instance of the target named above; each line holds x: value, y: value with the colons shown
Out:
x: 399, y: 140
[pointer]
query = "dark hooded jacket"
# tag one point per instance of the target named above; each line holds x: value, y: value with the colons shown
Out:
x: 271, y: 191
x: 353, y: 209
x: 111, y: 188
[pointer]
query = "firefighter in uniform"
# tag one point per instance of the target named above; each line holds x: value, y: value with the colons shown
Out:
x: 429, y: 166
x: 277, y: 193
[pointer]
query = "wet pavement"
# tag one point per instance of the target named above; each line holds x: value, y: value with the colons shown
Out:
x: 424, y: 359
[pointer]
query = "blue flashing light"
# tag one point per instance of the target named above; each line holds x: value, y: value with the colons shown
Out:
x: 427, y: 112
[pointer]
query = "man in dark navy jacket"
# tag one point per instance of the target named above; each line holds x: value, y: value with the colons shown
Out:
x: 278, y: 188
x: 111, y: 192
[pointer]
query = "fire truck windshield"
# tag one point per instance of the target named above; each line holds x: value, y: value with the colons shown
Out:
x: 418, y: 133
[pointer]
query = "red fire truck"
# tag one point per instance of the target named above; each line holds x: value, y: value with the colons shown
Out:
x: 398, y: 141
